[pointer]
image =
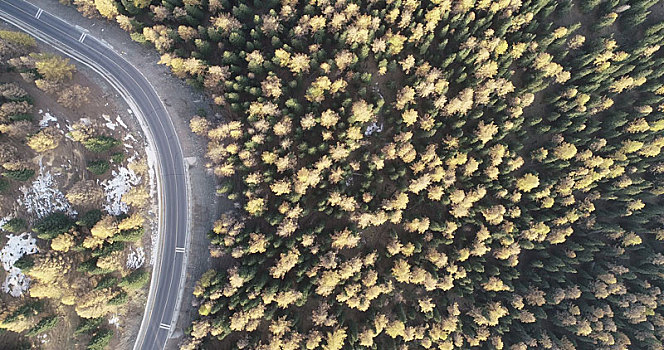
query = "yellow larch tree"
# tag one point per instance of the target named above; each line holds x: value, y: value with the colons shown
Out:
x: 94, y: 303
x: 344, y: 239
x: 107, y: 8
x: 135, y: 220
x: 199, y: 125
x: 104, y: 228
x: 527, y: 182
x: 285, y: 263
x: 45, y: 140
x: 85, y: 193
x: 136, y: 197
x: 63, y: 242
x: 335, y: 340
x: 53, y: 67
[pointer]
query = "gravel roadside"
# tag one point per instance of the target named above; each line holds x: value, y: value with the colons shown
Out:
x: 182, y: 102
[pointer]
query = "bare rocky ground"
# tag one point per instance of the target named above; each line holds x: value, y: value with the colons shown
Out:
x: 182, y: 103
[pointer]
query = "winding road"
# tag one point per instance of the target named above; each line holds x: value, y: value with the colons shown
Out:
x: 171, y: 173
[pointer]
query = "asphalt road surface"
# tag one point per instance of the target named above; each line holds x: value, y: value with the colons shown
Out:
x: 168, y: 272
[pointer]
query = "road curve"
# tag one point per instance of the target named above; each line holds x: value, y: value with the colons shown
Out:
x: 171, y: 174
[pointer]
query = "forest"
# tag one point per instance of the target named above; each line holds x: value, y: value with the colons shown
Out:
x: 71, y: 250
x: 442, y: 174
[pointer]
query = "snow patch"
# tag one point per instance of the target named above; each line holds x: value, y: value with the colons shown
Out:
x: 4, y: 220
x: 129, y: 137
x: 154, y: 229
x: 17, y: 246
x: 373, y: 128
x: 115, y: 321
x: 121, y: 122
x: 46, y: 118
x: 44, y: 197
x: 135, y: 258
x: 121, y: 182
x: 109, y: 123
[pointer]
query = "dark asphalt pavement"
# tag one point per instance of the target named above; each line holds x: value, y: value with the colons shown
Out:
x: 135, y: 88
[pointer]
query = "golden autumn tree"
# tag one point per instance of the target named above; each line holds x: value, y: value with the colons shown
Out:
x: 45, y: 140
x: 105, y: 228
x: 54, y: 68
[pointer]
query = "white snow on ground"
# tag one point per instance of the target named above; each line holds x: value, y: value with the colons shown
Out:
x: 135, y: 258
x: 46, y: 118
x: 128, y: 145
x: 109, y: 123
x: 123, y: 180
x: 121, y: 122
x: 44, y: 197
x: 16, y: 282
x: 154, y: 228
x: 129, y: 137
x: 374, y: 127
x: 115, y: 321
x: 4, y: 220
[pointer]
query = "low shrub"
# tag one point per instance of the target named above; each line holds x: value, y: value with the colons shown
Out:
x: 99, y: 144
x: 45, y: 325
x: 100, y: 340
x: 88, y: 325
x: 15, y: 225
x: 53, y: 225
x: 19, y: 175
x: 98, y: 167
x: 135, y: 280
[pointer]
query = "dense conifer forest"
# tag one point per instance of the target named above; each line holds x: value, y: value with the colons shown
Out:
x: 425, y: 174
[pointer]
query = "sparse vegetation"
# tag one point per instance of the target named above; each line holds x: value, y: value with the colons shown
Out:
x: 135, y: 280
x: 118, y: 157
x: 88, y: 326
x: 100, y: 144
x: 69, y: 273
x: 90, y: 218
x: 100, y: 340
x: 45, y: 325
x: 4, y: 185
x: 19, y: 175
x: 15, y: 225
x: 99, y: 167
x: 53, y: 225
